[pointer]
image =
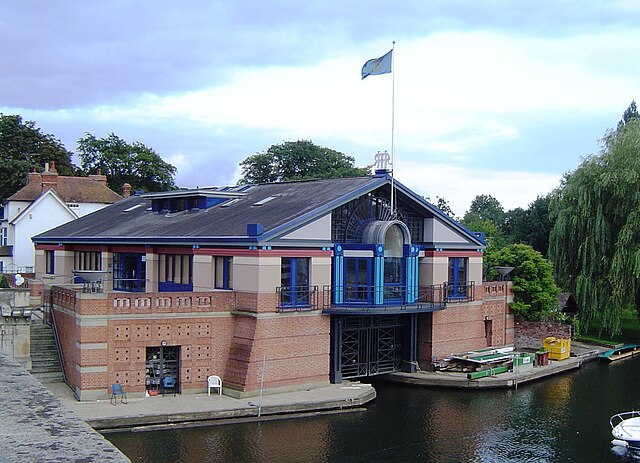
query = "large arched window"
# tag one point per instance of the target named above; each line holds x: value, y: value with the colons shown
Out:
x: 393, y: 263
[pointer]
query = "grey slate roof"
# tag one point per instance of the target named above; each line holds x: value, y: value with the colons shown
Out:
x: 296, y: 203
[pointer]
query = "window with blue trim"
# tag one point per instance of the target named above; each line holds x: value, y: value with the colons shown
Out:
x: 224, y: 272
x: 175, y: 272
x: 358, y: 280
x: 457, y: 285
x: 129, y: 272
x: 49, y: 262
x: 294, y: 279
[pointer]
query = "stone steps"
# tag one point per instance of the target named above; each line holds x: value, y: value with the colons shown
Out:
x: 45, y: 363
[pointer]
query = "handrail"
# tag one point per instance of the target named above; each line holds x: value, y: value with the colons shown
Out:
x: 297, y: 298
x: 618, y: 418
x: 56, y: 338
x: 356, y: 295
x: 460, y: 292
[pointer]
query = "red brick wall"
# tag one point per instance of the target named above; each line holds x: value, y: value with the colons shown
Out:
x: 462, y: 327
x: 231, y: 345
x: 530, y: 335
x: 294, y: 349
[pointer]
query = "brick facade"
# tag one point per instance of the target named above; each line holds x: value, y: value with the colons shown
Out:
x: 104, y: 340
x: 467, y: 326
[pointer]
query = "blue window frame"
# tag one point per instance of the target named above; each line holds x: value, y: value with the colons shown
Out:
x: 129, y: 272
x: 224, y: 272
x: 294, y: 278
x: 358, y: 280
x: 457, y: 286
x: 49, y: 262
x: 394, y: 284
x: 175, y: 272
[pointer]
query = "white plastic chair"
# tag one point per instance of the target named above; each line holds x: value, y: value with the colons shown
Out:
x: 214, y: 382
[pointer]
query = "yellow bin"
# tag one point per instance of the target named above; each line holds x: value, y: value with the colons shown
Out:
x: 559, y: 349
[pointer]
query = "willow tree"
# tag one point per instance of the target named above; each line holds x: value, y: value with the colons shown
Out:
x: 595, y: 242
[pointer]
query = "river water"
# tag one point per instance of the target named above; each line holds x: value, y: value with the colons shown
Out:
x: 559, y: 419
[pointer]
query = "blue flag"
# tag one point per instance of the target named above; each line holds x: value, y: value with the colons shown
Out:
x: 377, y: 66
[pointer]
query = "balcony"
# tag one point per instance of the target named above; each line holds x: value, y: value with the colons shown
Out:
x: 297, y: 298
x: 460, y: 292
x: 356, y: 299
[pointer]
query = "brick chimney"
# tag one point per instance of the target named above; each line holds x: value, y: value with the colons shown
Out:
x: 126, y: 190
x: 99, y: 177
x: 50, y: 177
x: 33, y: 177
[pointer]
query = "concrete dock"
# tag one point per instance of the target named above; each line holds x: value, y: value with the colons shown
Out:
x: 184, y: 410
x: 580, y: 353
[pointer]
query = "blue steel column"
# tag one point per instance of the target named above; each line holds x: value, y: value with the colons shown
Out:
x: 338, y: 275
x: 411, y: 272
x: 378, y: 275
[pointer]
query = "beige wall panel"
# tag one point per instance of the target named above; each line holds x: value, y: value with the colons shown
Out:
x: 440, y: 270
x: 202, y: 273
x: 475, y: 269
x: 436, y: 232
x: 317, y: 230
x: 256, y: 274
x: 320, y: 271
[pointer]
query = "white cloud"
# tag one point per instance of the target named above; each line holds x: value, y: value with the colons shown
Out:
x: 460, y: 185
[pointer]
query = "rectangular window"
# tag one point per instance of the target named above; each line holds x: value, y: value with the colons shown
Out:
x: 49, y: 262
x: 175, y: 272
x: 294, y: 278
x: 224, y: 272
x: 357, y: 286
x: 87, y: 260
x: 457, y: 286
x: 129, y: 272
x: 4, y: 236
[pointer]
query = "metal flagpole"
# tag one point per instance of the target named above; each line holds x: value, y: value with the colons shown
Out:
x: 393, y: 149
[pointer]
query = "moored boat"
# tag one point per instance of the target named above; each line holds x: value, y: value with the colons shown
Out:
x: 620, y: 353
x: 625, y: 427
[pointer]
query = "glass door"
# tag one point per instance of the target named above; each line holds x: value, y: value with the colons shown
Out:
x: 162, y: 361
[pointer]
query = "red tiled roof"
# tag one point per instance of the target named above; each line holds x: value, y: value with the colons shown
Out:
x: 69, y: 189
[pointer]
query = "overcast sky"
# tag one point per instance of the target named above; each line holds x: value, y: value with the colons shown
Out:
x: 491, y: 97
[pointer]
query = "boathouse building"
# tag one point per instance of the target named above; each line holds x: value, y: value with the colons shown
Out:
x: 279, y: 286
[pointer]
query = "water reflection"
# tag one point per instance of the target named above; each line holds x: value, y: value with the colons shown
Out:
x: 561, y: 419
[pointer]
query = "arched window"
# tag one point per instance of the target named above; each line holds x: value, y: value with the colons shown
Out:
x: 393, y: 263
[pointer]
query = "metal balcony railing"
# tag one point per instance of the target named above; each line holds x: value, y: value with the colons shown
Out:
x: 297, y: 298
x: 460, y: 292
x: 355, y: 298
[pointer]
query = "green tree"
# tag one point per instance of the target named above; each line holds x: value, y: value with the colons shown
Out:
x: 485, y: 207
x: 24, y: 148
x: 122, y: 163
x: 298, y: 160
x: 486, y: 215
x: 535, y: 292
x: 443, y: 205
x: 630, y: 113
x: 530, y: 226
x: 595, y: 242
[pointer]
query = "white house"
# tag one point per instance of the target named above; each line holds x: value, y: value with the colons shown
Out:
x: 46, y: 201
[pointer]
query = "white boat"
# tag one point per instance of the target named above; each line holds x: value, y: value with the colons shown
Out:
x: 625, y: 427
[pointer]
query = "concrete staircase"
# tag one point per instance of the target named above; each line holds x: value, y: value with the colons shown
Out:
x: 45, y: 362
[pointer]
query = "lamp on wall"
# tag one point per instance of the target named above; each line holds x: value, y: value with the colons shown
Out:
x: 503, y: 271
